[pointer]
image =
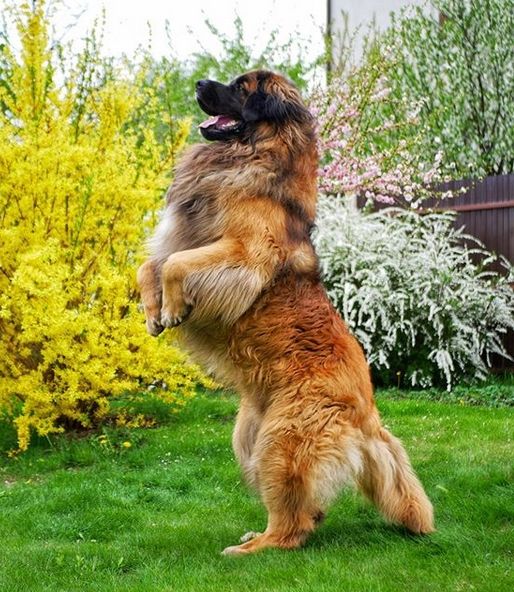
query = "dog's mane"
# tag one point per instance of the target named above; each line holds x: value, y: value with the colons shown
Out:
x: 274, y: 161
x: 270, y: 162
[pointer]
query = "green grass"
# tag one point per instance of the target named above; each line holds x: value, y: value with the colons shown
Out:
x: 496, y: 391
x: 77, y: 514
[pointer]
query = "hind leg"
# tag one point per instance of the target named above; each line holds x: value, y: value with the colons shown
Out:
x: 286, y: 532
x: 247, y: 427
x: 298, y: 474
x: 249, y: 536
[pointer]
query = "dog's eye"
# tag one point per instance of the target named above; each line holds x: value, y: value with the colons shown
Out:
x: 240, y: 88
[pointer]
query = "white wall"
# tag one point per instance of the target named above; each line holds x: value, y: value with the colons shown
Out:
x: 363, y: 12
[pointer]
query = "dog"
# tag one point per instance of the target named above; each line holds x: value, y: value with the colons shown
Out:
x: 233, y: 266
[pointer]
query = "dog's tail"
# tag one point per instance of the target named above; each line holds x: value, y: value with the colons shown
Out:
x: 388, y: 480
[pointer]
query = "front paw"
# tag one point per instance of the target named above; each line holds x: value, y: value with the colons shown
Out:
x: 175, y: 309
x: 154, y: 327
x: 170, y: 318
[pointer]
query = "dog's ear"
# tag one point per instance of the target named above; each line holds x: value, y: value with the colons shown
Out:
x: 256, y: 107
x: 262, y: 106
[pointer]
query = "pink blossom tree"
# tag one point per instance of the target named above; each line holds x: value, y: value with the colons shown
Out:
x: 368, y: 142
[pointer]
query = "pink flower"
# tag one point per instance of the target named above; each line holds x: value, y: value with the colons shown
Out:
x: 352, y: 164
x: 384, y: 198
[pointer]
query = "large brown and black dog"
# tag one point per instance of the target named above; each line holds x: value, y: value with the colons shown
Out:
x: 232, y: 263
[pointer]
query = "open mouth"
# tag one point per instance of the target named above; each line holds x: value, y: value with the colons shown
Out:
x: 221, y: 123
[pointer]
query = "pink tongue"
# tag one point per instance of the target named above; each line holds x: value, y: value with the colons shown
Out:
x: 217, y: 119
x: 210, y: 121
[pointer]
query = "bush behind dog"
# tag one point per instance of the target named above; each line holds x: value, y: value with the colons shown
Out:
x: 78, y: 180
x: 424, y: 311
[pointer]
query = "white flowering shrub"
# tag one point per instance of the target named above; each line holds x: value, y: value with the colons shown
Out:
x: 424, y: 311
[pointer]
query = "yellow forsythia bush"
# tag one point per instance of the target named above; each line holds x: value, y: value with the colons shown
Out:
x: 81, y: 175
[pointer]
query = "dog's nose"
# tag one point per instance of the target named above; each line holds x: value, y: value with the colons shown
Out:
x: 200, y: 84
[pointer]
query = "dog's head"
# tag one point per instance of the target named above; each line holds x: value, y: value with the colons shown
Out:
x: 239, y: 108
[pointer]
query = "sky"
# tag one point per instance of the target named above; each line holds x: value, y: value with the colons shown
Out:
x: 128, y: 21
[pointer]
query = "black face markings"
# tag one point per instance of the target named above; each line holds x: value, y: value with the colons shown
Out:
x: 241, y: 80
x: 246, y: 101
x: 239, y: 89
x: 255, y: 108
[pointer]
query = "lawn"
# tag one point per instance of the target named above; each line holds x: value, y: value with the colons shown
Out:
x: 151, y: 510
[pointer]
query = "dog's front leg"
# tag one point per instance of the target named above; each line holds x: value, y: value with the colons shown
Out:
x: 175, y: 307
x: 190, y: 278
x: 149, y: 281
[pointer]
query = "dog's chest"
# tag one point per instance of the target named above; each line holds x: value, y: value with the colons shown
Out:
x: 199, y: 220
x: 187, y: 222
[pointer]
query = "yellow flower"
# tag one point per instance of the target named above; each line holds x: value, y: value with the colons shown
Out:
x: 80, y: 184
x: 127, y: 444
x: 103, y: 440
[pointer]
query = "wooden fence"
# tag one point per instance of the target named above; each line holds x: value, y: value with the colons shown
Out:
x: 486, y: 210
